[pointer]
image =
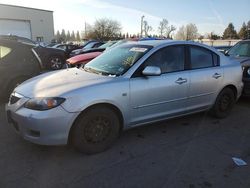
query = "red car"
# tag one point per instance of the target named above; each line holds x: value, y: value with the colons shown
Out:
x: 82, y: 59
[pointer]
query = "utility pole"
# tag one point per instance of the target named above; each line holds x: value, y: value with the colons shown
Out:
x: 142, y: 25
x: 85, y: 29
x: 248, y: 32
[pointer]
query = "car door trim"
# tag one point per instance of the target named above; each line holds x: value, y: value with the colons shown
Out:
x: 158, y: 103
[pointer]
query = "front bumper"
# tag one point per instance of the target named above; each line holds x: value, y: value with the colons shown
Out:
x: 246, y: 88
x: 50, y: 127
x: 246, y: 81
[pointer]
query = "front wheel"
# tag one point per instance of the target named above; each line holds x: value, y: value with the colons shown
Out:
x: 224, y: 103
x: 95, y: 130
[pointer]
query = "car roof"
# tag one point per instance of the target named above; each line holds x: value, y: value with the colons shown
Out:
x: 156, y: 43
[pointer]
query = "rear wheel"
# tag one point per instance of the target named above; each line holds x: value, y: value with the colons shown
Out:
x: 224, y: 103
x: 95, y: 130
x: 55, y: 63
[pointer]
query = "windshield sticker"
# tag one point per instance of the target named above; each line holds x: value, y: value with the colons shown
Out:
x: 136, y: 49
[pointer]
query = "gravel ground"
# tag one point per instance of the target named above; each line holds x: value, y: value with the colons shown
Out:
x: 193, y: 151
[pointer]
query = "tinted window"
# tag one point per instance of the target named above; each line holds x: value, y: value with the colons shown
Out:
x: 200, y: 58
x: 169, y: 59
x: 71, y: 47
x: 62, y: 47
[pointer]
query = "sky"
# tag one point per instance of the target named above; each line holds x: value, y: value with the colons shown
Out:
x: 208, y: 15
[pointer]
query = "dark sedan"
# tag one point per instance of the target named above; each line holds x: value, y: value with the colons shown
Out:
x: 241, y: 52
x: 52, y: 58
x: 68, y: 48
x: 90, y: 45
x: 18, y: 62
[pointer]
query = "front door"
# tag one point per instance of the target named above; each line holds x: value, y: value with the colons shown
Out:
x: 158, y: 97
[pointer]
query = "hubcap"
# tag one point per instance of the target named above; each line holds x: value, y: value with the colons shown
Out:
x: 97, y: 129
x: 56, y: 63
x: 225, y: 102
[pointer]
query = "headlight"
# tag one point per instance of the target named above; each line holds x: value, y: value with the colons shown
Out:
x: 43, y: 103
x: 248, y: 71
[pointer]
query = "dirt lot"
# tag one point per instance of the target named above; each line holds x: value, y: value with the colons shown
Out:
x: 195, y: 151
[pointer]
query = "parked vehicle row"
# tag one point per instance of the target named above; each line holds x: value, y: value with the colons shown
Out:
x: 130, y: 85
x: 88, y: 55
x: 88, y: 46
x: 22, y: 58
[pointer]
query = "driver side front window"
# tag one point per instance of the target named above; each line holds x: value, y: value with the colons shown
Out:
x: 169, y: 59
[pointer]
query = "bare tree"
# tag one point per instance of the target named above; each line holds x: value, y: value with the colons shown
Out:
x: 104, y: 29
x: 181, y: 33
x: 165, y: 29
x: 191, y: 31
x: 188, y: 32
x: 146, y: 28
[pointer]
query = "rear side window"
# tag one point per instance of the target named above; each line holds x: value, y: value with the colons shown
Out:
x: 202, y: 58
x: 4, y: 51
x: 62, y: 47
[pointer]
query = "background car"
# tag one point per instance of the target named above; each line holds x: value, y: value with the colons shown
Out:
x: 222, y: 49
x: 127, y: 86
x: 18, y: 62
x: 88, y: 55
x: 90, y: 45
x: 52, y: 58
x: 241, y: 53
x: 68, y: 48
x: 82, y: 59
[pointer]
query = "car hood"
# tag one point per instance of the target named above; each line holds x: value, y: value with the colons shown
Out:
x: 77, y: 51
x: 245, y: 61
x: 59, y: 83
x: 83, y: 57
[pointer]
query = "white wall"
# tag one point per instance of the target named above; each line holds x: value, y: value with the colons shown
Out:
x: 41, y: 21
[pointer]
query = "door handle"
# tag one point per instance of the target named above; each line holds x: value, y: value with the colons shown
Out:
x: 216, y: 75
x: 181, y: 81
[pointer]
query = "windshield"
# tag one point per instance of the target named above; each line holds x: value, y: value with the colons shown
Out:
x: 241, y: 49
x: 117, y: 60
x: 90, y: 45
x: 108, y: 44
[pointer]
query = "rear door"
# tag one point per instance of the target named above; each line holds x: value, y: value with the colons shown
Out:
x: 206, y: 76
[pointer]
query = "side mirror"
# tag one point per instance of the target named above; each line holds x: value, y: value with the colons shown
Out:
x: 151, y: 71
x: 225, y: 52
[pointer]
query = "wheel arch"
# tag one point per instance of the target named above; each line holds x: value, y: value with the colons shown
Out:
x: 233, y: 88
x: 102, y: 105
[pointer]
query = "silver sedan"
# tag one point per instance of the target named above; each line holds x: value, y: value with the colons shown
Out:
x: 130, y: 85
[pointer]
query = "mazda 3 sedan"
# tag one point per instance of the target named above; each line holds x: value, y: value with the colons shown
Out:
x: 130, y: 85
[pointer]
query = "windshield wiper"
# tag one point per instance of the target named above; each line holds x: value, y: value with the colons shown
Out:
x: 88, y: 69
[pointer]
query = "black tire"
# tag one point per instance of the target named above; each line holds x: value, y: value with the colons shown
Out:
x: 55, y: 63
x: 11, y: 86
x: 224, y: 103
x: 95, y: 130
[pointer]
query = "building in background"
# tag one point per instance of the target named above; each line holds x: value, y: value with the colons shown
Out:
x: 35, y: 24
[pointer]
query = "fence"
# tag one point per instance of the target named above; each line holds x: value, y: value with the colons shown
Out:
x: 218, y: 42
